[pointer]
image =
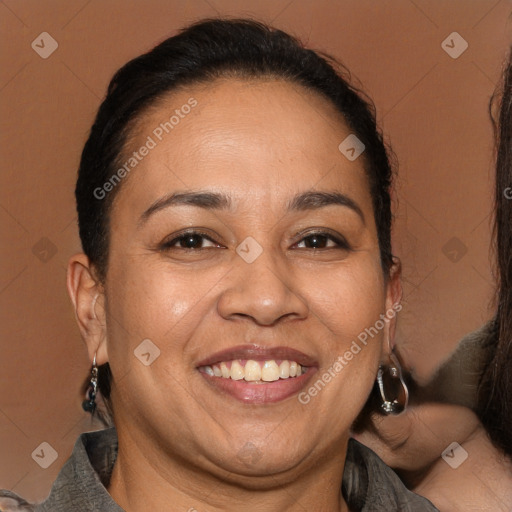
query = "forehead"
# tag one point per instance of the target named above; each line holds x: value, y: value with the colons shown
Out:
x: 253, y: 138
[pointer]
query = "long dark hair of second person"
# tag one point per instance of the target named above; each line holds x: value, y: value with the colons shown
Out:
x: 495, y: 396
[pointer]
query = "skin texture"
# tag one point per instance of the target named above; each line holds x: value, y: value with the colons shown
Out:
x: 483, y: 483
x: 181, y: 441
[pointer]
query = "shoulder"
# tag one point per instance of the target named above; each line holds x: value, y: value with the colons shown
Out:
x: 81, y: 482
x: 370, y: 485
x: 11, y: 502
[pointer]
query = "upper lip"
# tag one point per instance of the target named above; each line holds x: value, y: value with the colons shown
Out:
x: 260, y: 353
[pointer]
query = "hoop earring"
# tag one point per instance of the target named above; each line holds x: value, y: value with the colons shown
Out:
x: 89, y: 404
x: 399, y: 403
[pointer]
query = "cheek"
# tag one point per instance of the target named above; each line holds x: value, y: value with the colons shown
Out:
x: 347, y: 300
x: 348, y: 304
x: 149, y: 300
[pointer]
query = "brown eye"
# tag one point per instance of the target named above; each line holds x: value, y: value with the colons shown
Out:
x: 316, y: 241
x: 191, y: 240
x: 322, y: 241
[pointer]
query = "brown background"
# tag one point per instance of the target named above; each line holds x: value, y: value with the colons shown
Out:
x: 433, y: 110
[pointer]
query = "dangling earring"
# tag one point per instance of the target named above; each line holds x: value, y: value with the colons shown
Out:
x: 89, y: 404
x: 399, y: 403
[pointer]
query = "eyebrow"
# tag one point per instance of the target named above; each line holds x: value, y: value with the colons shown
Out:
x: 206, y: 200
x: 217, y: 201
x: 314, y: 200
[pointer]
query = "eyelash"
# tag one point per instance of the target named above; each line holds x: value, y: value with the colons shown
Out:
x: 170, y: 245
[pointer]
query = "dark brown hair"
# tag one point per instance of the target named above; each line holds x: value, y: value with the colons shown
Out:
x: 495, y: 393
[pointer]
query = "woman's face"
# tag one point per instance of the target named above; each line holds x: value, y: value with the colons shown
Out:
x: 275, y: 272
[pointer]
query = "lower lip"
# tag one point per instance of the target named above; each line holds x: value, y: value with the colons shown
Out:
x: 261, y: 393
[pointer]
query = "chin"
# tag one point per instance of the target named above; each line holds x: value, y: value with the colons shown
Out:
x: 251, y: 461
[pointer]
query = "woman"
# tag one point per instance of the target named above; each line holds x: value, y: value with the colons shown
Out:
x: 234, y: 212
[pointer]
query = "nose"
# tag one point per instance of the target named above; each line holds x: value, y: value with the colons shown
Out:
x: 265, y: 291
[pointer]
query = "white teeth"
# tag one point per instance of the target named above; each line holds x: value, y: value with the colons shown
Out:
x: 252, y: 371
x: 225, y: 370
x: 270, y: 371
x: 237, y: 371
x: 284, y: 369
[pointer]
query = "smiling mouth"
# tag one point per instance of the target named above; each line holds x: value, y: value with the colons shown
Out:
x: 256, y: 371
x: 254, y: 374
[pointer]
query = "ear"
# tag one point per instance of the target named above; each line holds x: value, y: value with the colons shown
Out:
x: 393, y: 306
x: 88, y: 298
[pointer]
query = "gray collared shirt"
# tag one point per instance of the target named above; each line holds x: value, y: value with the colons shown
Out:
x: 368, y: 484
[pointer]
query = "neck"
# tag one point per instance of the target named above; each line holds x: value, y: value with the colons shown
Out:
x: 482, y: 482
x: 146, y: 479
